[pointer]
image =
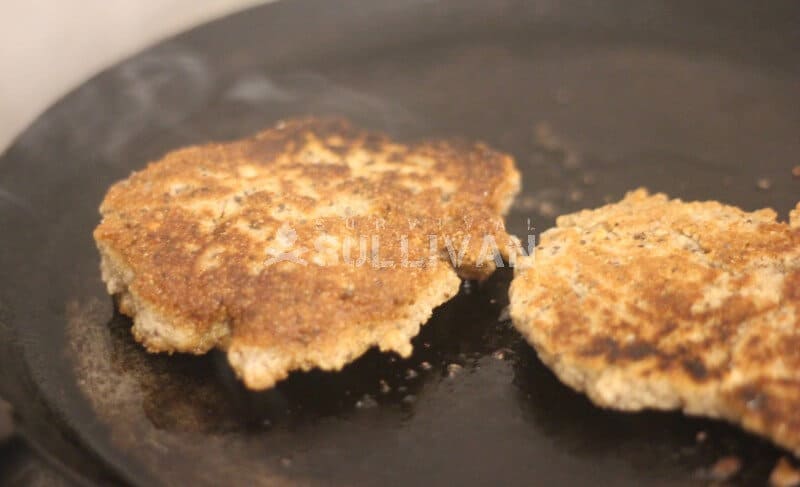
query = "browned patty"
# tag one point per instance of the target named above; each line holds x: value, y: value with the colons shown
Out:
x: 240, y: 245
x: 665, y: 304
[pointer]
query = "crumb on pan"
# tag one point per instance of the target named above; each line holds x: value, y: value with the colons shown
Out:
x: 784, y: 474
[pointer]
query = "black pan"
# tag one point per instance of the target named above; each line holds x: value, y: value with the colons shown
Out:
x: 698, y: 99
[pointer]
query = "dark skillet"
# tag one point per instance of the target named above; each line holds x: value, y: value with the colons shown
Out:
x: 698, y: 99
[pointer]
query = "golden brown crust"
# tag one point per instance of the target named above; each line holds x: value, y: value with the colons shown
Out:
x: 657, y: 303
x: 239, y: 245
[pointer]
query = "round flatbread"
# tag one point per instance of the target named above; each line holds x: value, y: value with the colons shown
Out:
x: 300, y: 247
x: 665, y: 304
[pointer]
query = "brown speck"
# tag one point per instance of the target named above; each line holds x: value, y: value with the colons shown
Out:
x: 696, y: 368
x: 545, y: 137
x: 725, y: 468
x: 453, y: 370
x: 575, y: 195
x: 501, y: 354
x: 547, y: 209
x: 755, y: 401
x: 572, y: 160
x: 701, y: 437
x: 366, y: 402
x: 526, y: 203
x: 505, y: 314
x: 348, y: 292
x: 784, y: 474
x: 763, y: 184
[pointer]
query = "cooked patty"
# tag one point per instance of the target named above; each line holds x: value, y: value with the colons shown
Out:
x: 243, y: 245
x: 665, y: 304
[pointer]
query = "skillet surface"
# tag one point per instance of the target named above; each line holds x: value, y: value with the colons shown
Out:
x: 593, y: 100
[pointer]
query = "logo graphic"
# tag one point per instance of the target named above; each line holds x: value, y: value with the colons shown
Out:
x: 330, y: 250
x: 282, y: 249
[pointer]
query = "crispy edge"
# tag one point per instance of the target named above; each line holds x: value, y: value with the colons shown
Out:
x: 260, y: 368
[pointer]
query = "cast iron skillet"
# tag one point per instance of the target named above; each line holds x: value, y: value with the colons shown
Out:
x: 593, y: 99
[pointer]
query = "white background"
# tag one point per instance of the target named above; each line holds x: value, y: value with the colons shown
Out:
x: 48, y: 47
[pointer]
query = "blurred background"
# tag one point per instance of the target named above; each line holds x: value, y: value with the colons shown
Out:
x: 49, y: 47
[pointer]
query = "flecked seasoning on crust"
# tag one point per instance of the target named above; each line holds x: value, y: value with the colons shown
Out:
x: 665, y: 304
x: 241, y: 245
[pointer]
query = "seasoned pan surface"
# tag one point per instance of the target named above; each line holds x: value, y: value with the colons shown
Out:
x: 592, y: 100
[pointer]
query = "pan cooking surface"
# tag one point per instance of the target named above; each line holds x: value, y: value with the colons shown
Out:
x: 592, y: 102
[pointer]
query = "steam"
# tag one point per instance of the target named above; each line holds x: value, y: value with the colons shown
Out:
x: 306, y: 93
